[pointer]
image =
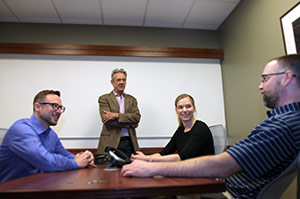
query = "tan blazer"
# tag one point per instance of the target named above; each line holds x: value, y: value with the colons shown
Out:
x: 111, y: 130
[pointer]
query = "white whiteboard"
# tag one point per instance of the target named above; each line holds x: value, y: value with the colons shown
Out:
x: 155, y: 82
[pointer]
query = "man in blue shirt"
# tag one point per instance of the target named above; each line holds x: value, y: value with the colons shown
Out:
x: 270, y: 148
x: 30, y: 146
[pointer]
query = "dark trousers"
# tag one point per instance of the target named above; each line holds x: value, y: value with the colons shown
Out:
x: 125, y: 146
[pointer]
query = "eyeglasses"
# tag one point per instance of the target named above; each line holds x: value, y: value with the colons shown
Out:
x: 55, y: 106
x: 266, y: 77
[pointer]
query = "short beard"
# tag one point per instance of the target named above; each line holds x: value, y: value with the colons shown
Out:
x: 271, y: 101
x: 48, y: 120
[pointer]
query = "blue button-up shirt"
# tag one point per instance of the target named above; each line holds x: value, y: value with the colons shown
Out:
x: 28, y: 148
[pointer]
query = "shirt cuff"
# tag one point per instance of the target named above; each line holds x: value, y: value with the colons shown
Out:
x: 74, y: 164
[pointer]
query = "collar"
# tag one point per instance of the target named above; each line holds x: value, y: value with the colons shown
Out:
x: 284, y: 109
x: 37, y: 126
x: 117, y: 95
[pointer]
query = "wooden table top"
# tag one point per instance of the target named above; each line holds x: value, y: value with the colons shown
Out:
x: 102, y: 183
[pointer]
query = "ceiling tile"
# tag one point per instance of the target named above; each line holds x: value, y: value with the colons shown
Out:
x: 6, y: 14
x: 79, y: 11
x: 34, y: 10
x: 191, y: 14
x: 169, y: 13
x: 121, y: 12
x: 209, y: 13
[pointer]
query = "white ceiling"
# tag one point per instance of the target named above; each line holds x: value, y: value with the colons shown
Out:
x: 186, y: 14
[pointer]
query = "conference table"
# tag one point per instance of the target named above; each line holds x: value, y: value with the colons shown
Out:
x: 103, y: 183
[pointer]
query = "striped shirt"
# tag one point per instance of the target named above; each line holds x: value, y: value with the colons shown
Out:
x: 266, y: 152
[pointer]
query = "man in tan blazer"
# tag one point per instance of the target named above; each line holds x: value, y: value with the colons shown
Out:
x: 120, y: 116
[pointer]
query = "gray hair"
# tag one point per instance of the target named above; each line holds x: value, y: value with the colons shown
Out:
x: 118, y: 70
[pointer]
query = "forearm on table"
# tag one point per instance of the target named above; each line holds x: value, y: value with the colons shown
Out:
x: 166, y: 158
x: 222, y: 165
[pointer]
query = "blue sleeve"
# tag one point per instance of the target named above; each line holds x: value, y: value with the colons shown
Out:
x: 60, y: 149
x: 27, y: 145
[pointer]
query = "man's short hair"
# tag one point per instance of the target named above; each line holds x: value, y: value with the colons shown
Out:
x: 290, y: 62
x: 42, y: 95
x: 118, y: 70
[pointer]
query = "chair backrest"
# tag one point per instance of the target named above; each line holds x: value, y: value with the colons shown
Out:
x: 220, y: 138
x: 2, y: 133
x: 276, y: 187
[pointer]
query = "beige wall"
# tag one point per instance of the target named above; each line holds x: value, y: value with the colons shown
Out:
x: 107, y: 35
x: 250, y: 37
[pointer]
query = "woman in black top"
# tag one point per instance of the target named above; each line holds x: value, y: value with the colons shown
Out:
x: 192, y: 138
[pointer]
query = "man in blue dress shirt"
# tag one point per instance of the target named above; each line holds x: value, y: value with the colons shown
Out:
x: 268, y: 150
x: 30, y: 146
